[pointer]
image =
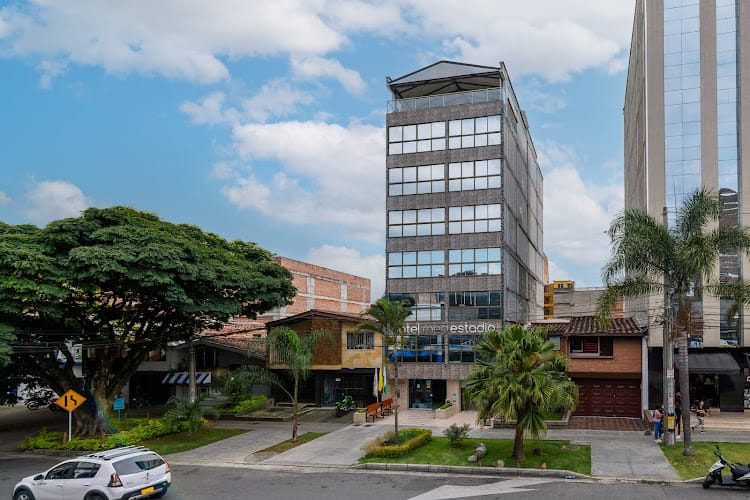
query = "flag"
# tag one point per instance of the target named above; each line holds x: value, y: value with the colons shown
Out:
x: 382, y: 381
x: 375, y: 385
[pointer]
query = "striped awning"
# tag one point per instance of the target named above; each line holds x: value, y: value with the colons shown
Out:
x: 183, y: 378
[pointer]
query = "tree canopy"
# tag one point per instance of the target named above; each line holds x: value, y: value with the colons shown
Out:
x: 121, y: 283
x: 519, y: 376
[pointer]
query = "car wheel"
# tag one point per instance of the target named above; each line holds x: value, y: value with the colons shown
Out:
x: 95, y: 496
x: 23, y: 494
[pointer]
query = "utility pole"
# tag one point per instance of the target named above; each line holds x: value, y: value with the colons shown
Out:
x: 668, y: 359
x: 192, y: 390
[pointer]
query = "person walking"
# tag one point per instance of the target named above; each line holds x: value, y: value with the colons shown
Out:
x: 658, y: 417
x: 700, y: 413
x: 678, y: 413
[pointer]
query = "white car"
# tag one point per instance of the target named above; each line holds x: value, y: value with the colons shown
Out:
x: 122, y: 473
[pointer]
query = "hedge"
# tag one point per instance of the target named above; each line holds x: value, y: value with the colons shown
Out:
x: 420, y: 438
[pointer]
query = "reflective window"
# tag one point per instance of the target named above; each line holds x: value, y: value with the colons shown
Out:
x: 416, y: 180
x: 474, y: 219
x: 414, y: 138
x: 422, y: 306
x: 423, y: 264
x: 471, y: 175
x: 474, y: 261
x: 422, y: 222
x: 474, y: 132
x: 474, y: 305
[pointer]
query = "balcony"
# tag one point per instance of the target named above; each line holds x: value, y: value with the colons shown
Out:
x: 445, y: 100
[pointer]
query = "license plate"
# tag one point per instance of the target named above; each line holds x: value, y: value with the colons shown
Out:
x: 146, y: 491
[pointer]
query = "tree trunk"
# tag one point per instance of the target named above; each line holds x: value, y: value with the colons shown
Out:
x: 294, y: 409
x: 687, y: 436
x: 396, y: 406
x: 518, y: 454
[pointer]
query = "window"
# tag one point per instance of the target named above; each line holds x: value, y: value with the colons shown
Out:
x: 360, y: 340
x: 416, y: 180
x: 140, y: 463
x: 425, y: 264
x: 474, y: 305
x: 474, y: 262
x: 419, y: 348
x: 461, y: 348
x: 471, y: 175
x: 591, y: 346
x: 423, y: 306
x: 474, y: 219
x: 422, y: 222
x: 416, y: 138
x: 85, y: 470
x: 474, y: 132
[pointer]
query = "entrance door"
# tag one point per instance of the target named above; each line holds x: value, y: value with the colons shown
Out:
x: 426, y: 393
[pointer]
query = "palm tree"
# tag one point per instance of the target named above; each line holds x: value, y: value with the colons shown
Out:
x: 519, y: 376
x: 649, y: 258
x: 295, y: 352
x: 388, y: 317
x: 193, y: 412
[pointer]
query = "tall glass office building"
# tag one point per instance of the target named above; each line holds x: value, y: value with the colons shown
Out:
x: 683, y: 122
x: 464, y: 219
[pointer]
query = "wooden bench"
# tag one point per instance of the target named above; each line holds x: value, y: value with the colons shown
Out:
x: 386, y: 407
x: 373, y: 411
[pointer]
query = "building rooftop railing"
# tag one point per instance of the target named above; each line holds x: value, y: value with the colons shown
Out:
x: 445, y: 100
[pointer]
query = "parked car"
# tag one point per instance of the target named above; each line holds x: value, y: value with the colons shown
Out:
x: 122, y: 473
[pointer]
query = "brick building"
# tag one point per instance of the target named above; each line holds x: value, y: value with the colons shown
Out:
x: 322, y: 289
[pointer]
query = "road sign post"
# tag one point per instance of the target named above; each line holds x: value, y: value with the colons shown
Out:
x: 69, y: 402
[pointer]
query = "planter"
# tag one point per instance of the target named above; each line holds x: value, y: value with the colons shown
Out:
x: 446, y: 413
x: 359, y: 418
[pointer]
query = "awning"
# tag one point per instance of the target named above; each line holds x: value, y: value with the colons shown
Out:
x: 183, y: 378
x: 711, y: 362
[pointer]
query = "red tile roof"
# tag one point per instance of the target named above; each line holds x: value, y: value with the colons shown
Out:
x: 587, y: 325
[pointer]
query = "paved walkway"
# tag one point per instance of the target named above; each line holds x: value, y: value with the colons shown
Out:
x: 622, y: 450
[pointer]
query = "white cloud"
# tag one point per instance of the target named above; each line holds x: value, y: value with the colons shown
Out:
x: 331, y: 175
x: 313, y: 67
x: 210, y: 111
x: 49, y: 70
x: 195, y: 39
x: 275, y: 99
x: 51, y: 200
x: 4, y: 198
x: 352, y: 262
x: 576, y: 212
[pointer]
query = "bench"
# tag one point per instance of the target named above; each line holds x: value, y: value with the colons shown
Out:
x: 373, y: 410
x: 386, y: 407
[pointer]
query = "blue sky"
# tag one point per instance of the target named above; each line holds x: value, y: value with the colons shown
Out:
x: 264, y: 121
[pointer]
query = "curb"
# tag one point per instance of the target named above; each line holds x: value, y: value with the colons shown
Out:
x: 457, y: 469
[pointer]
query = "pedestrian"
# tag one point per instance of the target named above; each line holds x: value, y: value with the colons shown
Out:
x: 658, y: 416
x: 700, y: 413
x: 678, y: 413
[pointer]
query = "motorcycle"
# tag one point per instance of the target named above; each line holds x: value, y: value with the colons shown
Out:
x: 345, y: 406
x: 38, y: 399
x: 740, y: 473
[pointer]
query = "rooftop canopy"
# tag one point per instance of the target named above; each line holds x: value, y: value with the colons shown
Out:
x: 445, y: 77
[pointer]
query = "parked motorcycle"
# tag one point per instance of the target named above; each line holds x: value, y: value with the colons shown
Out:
x: 740, y: 473
x: 345, y: 406
x: 42, y: 398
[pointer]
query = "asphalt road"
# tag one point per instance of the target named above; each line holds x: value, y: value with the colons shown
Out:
x: 229, y: 483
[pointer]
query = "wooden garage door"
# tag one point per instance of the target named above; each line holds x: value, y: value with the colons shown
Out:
x: 609, y: 398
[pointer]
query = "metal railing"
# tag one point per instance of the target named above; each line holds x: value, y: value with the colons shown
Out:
x: 445, y: 100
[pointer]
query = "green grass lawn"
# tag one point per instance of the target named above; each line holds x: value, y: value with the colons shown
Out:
x: 289, y: 444
x: 439, y: 452
x: 697, y: 465
x: 175, y: 443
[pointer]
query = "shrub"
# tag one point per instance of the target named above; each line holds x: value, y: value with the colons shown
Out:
x: 446, y: 405
x: 412, y: 439
x: 247, y: 405
x: 456, y: 434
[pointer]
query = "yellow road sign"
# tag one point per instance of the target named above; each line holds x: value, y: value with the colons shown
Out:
x: 70, y: 400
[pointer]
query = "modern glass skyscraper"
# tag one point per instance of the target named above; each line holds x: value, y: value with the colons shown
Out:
x: 464, y: 219
x: 683, y: 116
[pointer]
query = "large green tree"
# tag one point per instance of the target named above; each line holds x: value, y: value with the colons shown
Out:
x: 519, y: 376
x: 677, y: 262
x: 121, y: 283
x: 388, y: 317
x: 286, y: 347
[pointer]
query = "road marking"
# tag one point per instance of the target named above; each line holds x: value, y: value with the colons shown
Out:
x: 510, y: 486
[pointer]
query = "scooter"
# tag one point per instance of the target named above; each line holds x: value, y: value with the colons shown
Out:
x: 345, y: 406
x: 740, y: 473
x: 42, y: 398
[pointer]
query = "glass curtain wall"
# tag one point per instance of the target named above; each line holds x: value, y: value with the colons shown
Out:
x: 726, y: 101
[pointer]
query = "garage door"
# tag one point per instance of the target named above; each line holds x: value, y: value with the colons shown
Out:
x: 609, y: 398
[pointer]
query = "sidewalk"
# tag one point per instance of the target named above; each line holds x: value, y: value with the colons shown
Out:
x: 614, y: 453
